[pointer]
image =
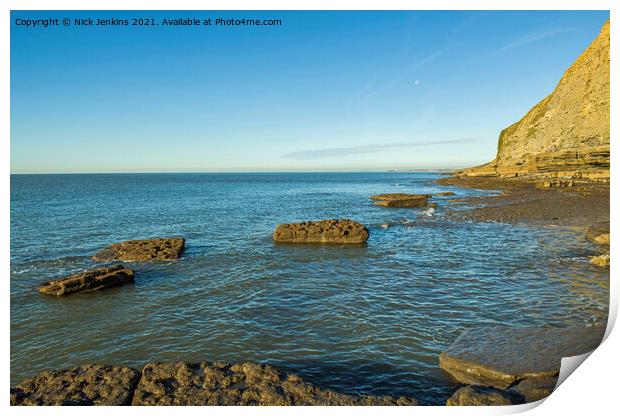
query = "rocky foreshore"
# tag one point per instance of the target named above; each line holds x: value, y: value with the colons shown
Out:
x: 504, y: 365
x: 184, y: 384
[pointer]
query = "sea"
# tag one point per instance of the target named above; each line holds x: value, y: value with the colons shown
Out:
x: 360, y: 319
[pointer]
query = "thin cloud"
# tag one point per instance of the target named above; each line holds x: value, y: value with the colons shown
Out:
x: 368, y: 149
x: 530, y: 38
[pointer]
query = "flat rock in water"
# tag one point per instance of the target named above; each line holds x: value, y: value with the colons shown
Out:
x: 599, y: 233
x: 143, y: 250
x: 446, y: 193
x: 242, y: 384
x: 400, y: 200
x: 326, y: 231
x: 88, y: 281
x: 92, y: 384
x: 500, y: 356
x: 482, y: 396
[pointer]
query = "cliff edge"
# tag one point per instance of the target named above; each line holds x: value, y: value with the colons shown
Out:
x: 566, y: 135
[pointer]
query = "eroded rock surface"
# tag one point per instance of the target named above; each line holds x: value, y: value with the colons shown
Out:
x: 93, y: 384
x: 239, y: 384
x: 500, y: 356
x: 482, y: 396
x: 326, y: 231
x: 88, y: 281
x: 400, y: 200
x: 143, y: 250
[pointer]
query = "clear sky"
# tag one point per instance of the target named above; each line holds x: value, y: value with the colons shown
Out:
x: 324, y: 91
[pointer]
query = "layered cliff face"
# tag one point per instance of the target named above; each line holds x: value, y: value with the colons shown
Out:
x: 567, y: 133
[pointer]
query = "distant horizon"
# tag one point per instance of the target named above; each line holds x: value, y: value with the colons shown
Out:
x: 420, y: 170
x: 326, y: 91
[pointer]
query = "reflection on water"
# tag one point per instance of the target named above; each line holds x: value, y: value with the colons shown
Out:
x: 362, y: 319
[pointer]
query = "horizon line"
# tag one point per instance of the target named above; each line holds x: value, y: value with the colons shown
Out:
x: 238, y: 172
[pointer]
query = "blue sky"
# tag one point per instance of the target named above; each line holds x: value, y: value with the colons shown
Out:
x: 331, y: 91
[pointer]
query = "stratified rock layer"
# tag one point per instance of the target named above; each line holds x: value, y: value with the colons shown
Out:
x: 239, y: 384
x: 481, y: 396
x: 93, y: 384
x: 567, y: 133
x: 400, y: 200
x: 88, y: 281
x: 143, y: 250
x: 326, y: 231
x: 500, y: 356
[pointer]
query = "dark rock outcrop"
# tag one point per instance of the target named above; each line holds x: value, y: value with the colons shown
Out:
x: 501, y: 356
x: 88, y: 281
x: 92, y: 384
x: 143, y: 250
x: 400, y: 200
x: 482, y: 396
x: 239, y: 384
x: 184, y: 384
x: 326, y: 231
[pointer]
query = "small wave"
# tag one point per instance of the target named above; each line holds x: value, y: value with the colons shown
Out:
x: 406, y: 222
x: 429, y: 212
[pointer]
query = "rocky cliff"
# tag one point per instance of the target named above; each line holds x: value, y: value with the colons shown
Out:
x: 567, y: 133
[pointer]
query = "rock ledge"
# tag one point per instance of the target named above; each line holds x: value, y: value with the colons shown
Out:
x: 326, y: 231
x: 143, y: 250
x: 88, y: 281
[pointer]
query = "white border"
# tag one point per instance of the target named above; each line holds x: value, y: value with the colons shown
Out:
x: 591, y: 390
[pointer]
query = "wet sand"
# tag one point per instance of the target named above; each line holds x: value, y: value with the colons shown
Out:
x: 521, y: 202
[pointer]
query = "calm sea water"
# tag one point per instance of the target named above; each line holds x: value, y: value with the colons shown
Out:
x: 365, y: 319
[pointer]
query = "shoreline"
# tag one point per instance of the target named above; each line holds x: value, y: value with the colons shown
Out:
x: 521, y: 202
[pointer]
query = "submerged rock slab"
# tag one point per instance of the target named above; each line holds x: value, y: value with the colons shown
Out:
x: 400, y: 200
x: 242, y: 384
x: 326, y: 231
x: 482, y: 396
x: 92, y: 384
x: 143, y: 250
x: 500, y: 356
x: 88, y: 281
